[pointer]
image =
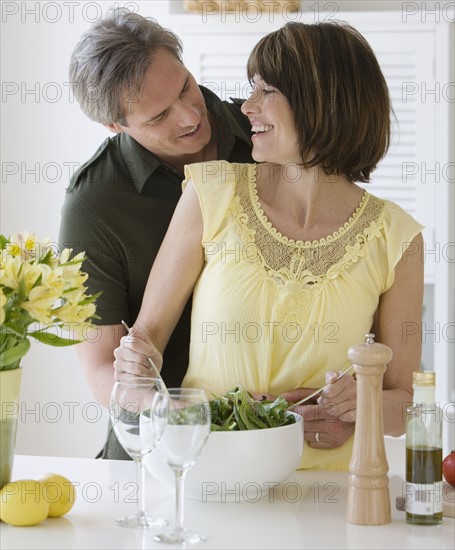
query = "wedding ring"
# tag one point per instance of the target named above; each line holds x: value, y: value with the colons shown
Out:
x: 317, y: 437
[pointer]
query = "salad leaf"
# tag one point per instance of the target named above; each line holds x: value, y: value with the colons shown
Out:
x: 237, y: 410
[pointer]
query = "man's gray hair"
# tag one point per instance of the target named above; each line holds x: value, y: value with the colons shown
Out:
x: 109, y: 63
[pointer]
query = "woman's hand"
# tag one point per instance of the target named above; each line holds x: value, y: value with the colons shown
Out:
x: 131, y: 356
x: 330, y: 421
x: 323, y: 430
x: 291, y: 396
x: 340, y: 397
x: 327, y: 423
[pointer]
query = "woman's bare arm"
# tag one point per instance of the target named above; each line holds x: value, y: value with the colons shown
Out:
x: 171, y: 281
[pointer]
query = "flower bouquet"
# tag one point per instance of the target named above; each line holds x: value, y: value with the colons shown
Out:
x: 42, y: 293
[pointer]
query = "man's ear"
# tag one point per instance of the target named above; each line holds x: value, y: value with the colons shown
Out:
x: 115, y: 127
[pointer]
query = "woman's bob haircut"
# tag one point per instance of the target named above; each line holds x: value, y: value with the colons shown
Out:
x: 336, y: 90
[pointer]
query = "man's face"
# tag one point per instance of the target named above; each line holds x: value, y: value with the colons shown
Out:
x: 169, y: 116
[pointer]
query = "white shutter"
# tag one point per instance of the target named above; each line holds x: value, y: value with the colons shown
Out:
x: 409, y: 172
x: 218, y: 60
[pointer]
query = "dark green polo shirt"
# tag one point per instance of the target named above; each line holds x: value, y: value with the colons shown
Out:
x: 117, y: 209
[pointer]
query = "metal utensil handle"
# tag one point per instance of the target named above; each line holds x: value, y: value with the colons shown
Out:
x: 308, y: 397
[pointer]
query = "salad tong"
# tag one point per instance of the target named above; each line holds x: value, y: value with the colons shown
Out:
x: 313, y: 394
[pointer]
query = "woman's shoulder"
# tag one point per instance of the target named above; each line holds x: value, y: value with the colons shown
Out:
x: 396, y: 222
x: 394, y: 213
x: 217, y: 184
x: 221, y: 171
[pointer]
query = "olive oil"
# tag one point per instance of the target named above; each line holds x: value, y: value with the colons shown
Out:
x: 423, y: 467
x: 423, y: 488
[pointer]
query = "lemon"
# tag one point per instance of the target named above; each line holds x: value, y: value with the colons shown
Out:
x: 22, y: 503
x: 59, y: 492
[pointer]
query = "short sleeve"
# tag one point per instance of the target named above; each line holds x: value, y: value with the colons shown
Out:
x: 400, y: 229
x: 81, y: 231
x: 215, y: 184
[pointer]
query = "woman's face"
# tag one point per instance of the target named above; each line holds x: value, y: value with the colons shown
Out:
x: 274, y: 135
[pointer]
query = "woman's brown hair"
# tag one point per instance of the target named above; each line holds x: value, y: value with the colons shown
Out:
x: 336, y: 90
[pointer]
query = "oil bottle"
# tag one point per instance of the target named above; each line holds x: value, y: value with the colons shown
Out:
x: 423, y: 486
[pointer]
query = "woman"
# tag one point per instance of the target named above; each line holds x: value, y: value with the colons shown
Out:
x: 291, y: 262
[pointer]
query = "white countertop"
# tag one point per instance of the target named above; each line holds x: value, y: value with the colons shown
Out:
x: 307, y: 511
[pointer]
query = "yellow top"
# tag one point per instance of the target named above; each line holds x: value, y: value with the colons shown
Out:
x: 273, y: 314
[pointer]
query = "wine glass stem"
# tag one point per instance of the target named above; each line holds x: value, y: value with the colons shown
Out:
x: 140, y: 478
x: 179, y: 499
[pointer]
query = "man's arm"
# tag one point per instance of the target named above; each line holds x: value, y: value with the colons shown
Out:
x: 81, y: 230
x: 96, y: 357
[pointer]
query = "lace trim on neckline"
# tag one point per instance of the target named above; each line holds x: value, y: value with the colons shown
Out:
x: 252, y: 186
x: 305, y: 263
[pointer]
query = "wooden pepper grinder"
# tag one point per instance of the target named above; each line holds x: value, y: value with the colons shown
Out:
x: 368, y: 485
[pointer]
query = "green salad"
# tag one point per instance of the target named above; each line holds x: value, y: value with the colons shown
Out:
x: 237, y: 410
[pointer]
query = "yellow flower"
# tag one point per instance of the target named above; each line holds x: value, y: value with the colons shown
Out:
x: 23, y: 244
x: 13, y: 249
x: 40, y: 303
x: 15, y: 271
x: 74, y: 280
x: 30, y: 242
x: 28, y: 246
x: 75, y: 294
x: 71, y: 312
x: 71, y: 271
x: 51, y: 278
x: 65, y: 255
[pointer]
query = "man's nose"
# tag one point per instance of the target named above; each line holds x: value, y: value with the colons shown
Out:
x: 188, y: 114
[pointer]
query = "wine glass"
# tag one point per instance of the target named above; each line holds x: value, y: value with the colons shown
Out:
x: 187, y: 430
x: 132, y: 402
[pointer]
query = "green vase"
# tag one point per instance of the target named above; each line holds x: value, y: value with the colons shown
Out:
x: 10, y: 384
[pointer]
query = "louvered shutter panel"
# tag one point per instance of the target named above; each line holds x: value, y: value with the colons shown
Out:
x: 409, y: 172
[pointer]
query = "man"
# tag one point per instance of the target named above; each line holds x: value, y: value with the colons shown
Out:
x: 127, y: 74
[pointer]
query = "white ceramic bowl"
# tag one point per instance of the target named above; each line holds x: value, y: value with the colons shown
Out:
x: 234, y: 466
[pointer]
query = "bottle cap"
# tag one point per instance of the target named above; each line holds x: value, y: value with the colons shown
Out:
x: 424, y: 378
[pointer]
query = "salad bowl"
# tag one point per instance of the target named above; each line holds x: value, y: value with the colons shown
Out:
x: 238, y: 465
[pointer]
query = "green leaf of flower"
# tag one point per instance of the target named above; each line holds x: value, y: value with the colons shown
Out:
x: 72, y: 262
x: 47, y: 258
x: 52, y: 339
x: 3, y: 242
x: 14, y: 354
x: 89, y: 299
